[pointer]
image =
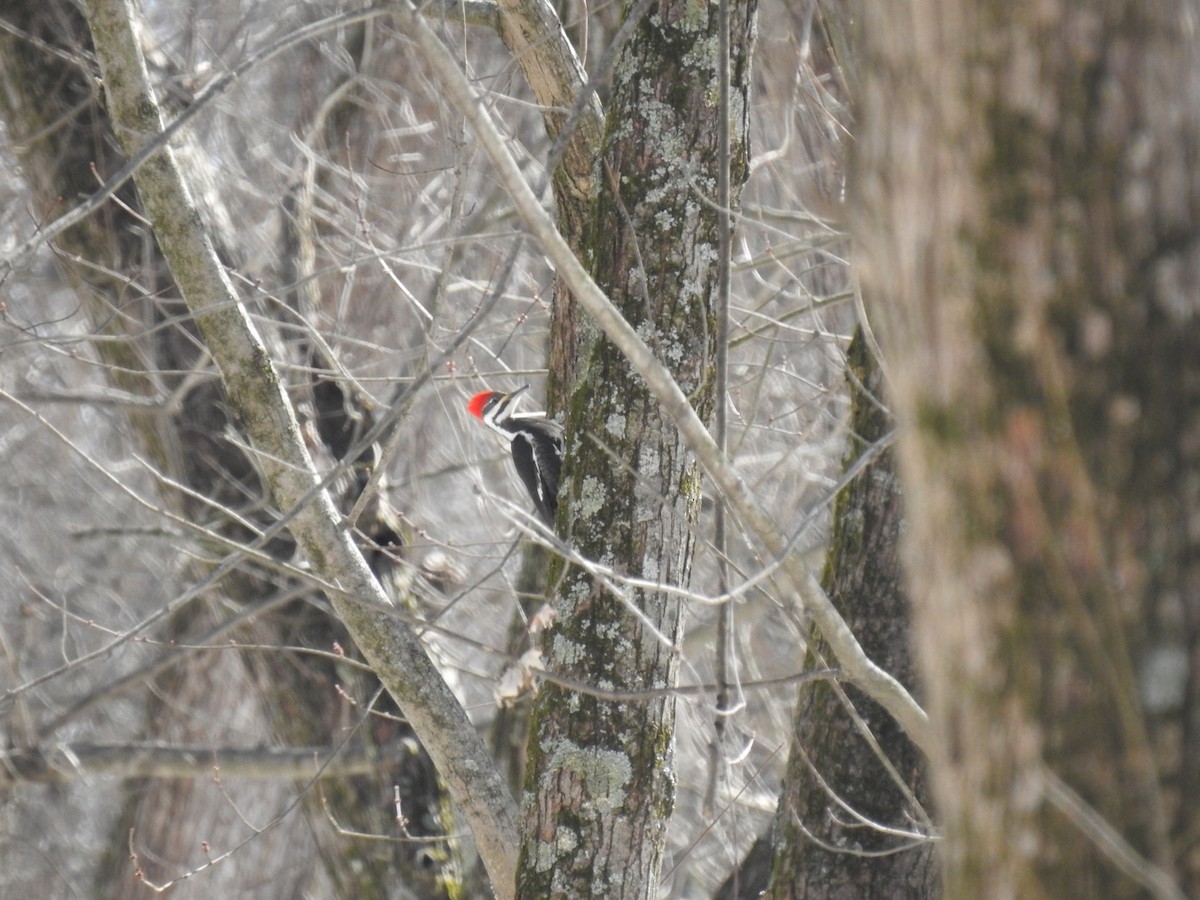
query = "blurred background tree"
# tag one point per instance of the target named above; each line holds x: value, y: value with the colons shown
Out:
x: 1028, y: 206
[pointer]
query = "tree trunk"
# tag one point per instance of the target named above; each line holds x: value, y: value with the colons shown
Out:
x: 600, y: 780
x: 1030, y: 219
x: 838, y: 794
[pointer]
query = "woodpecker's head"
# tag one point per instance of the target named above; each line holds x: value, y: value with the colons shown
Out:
x: 493, y: 407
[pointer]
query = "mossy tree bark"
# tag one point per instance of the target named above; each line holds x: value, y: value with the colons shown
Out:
x: 600, y: 783
x: 1029, y: 212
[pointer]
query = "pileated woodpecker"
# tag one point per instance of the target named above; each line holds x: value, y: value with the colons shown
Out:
x: 537, y: 445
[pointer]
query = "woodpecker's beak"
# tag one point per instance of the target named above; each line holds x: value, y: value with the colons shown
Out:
x: 509, y: 399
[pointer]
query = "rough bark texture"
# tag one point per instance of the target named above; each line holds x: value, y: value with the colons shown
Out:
x: 822, y: 848
x: 1030, y: 212
x: 600, y: 781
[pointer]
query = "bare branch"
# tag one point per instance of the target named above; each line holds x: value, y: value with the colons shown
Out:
x: 65, y: 762
x: 255, y: 392
x: 1111, y: 842
x: 470, y: 12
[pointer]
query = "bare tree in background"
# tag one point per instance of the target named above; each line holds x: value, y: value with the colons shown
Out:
x: 852, y: 817
x: 852, y: 811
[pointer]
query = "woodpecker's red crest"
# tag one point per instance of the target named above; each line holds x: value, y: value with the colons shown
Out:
x: 479, y: 401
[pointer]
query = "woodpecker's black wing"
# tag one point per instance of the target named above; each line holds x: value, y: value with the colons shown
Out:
x: 537, y: 449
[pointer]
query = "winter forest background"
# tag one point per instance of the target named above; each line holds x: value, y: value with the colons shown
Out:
x: 920, y: 618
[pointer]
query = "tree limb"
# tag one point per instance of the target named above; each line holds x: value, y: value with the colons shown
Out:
x: 533, y: 34
x: 64, y: 762
x: 255, y: 392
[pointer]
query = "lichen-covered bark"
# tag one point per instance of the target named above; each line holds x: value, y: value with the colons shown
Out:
x: 1030, y: 212
x: 821, y: 849
x: 600, y: 785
